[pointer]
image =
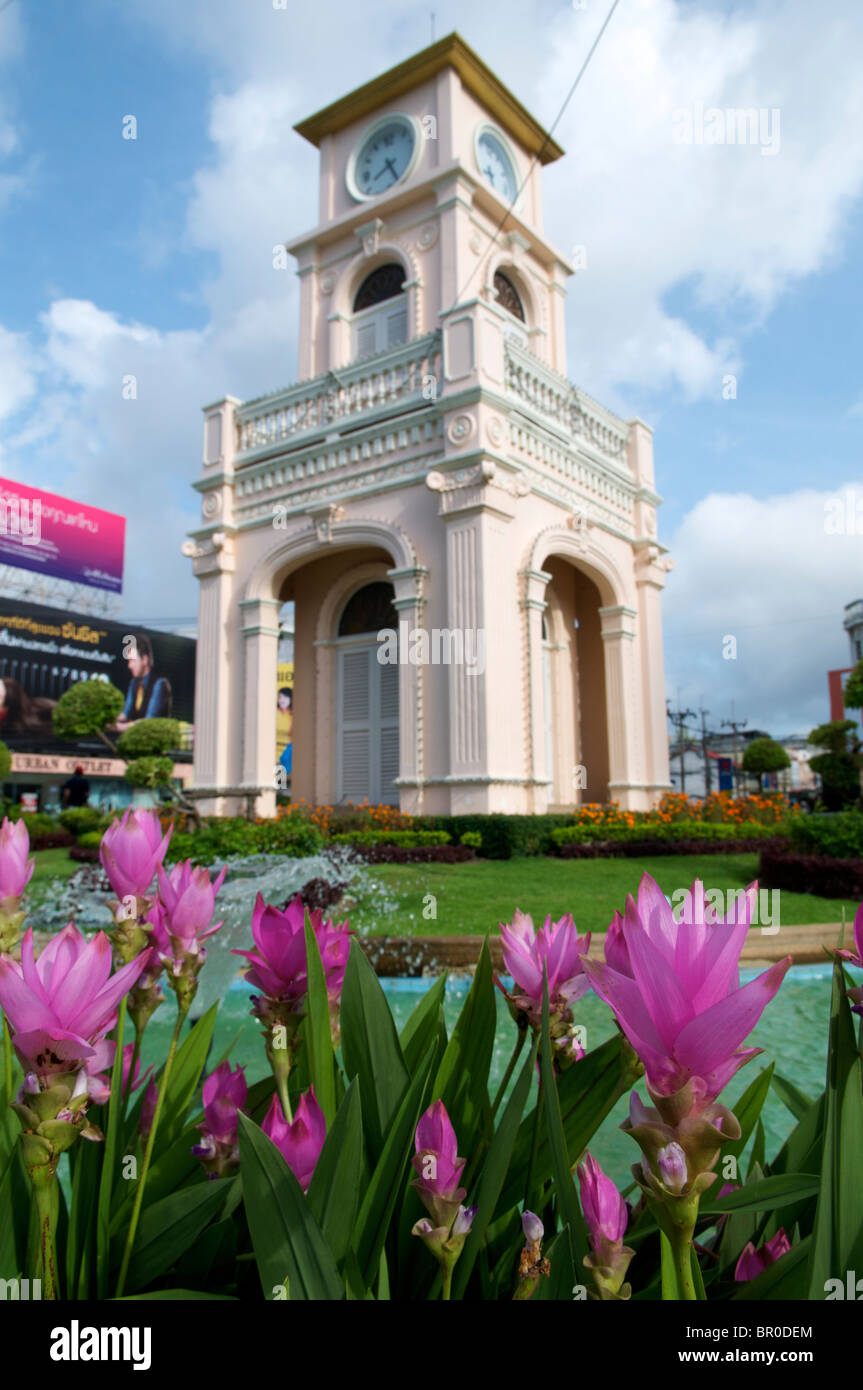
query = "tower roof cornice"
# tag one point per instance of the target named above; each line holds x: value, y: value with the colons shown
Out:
x: 449, y: 52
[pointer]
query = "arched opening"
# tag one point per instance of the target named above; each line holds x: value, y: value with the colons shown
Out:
x: 575, y: 690
x: 345, y: 704
x: 508, y: 296
x: 368, y: 699
x: 380, y: 313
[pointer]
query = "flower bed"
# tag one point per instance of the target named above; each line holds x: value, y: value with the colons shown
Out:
x: 376, y: 1164
x: 635, y: 848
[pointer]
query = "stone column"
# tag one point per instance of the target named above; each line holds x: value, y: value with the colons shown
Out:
x: 409, y: 604
x: 650, y: 584
x: 622, y: 693
x: 261, y: 651
x: 534, y: 605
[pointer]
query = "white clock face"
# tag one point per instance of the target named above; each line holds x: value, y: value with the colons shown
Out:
x: 496, y: 166
x: 384, y: 158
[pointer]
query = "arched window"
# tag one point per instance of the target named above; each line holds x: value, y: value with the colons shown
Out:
x: 369, y: 610
x: 368, y: 699
x: 380, y: 311
x: 384, y: 283
x: 507, y: 295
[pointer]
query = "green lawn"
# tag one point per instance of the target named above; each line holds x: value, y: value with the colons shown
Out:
x: 476, y: 896
x: 50, y: 864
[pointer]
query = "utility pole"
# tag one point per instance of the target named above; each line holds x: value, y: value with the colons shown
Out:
x: 737, y: 725
x: 679, y: 718
x: 704, y: 750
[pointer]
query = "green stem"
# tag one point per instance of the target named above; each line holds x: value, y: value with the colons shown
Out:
x: 7, y: 1064
x: 45, y: 1188
x: 282, y: 1087
x: 540, y: 1097
x: 519, y: 1044
x: 446, y: 1281
x: 148, y: 1154
x: 681, y: 1245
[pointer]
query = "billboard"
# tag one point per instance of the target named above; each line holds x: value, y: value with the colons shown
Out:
x: 67, y: 540
x: 285, y: 715
x: 45, y: 650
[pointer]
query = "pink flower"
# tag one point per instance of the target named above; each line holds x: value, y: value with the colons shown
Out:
x: 278, y: 965
x: 132, y: 850
x: 224, y: 1094
x: 616, y: 950
x: 682, y: 1007
x: 187, y: 899
x: 436, y: 1159
x: 604, y: 1208
x: 65, y: 1002
x: 557, y: 947
x: 753, y: 1262
x: 299, y: 1143
x: 101, y: 1064
x: 15, y: 868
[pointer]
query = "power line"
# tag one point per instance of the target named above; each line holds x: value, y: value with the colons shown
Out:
x: 538, y: 156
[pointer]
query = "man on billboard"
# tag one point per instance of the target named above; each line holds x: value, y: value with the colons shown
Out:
x: 149, y: 695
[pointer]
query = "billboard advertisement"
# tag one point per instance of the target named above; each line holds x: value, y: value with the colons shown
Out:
x: 45, y: 650
x: 285, y: 715
x: 49, y: 534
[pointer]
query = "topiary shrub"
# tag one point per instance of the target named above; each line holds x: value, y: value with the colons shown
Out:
x: 5, y: 762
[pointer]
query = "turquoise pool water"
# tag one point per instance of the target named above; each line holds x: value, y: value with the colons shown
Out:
x: 792, y: 1032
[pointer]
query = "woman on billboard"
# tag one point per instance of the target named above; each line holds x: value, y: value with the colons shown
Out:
x: 149, y: 695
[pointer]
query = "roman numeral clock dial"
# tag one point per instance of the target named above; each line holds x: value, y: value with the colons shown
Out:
x: 383, y: 158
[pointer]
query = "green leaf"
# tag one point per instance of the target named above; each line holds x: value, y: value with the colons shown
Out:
x: 110, y: 1158
x: 791, y: 1096
x: 387, y: 1180
x: 82, y: 1218
x: 185, y: 1075
x: 316, y: 1027
x: 424, y: 1024
x: 747, y: 1111
x: 587, y: 1092
x: 562, y: 1279
x: 564, y: 1186
x: 335, y: 1187
x: 172, y: 1295
x: 462, y: 1077
x: 493, y: 1175
x: 764, y: 1195
x: 370, y: 1048
x: 287, y: 1241
x: 837, y: 1238
x: 169, y: 1227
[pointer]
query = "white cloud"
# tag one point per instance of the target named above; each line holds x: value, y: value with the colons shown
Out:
x: 17, y: 375
x: 774, y: 573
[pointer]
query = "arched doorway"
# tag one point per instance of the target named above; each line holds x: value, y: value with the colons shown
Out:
x: 574, y: 687
x: 367, y: 733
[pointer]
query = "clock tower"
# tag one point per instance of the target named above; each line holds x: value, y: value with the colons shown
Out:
x: 468, y: 539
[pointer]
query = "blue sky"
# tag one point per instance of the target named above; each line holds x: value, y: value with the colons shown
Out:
x: 153, y: 256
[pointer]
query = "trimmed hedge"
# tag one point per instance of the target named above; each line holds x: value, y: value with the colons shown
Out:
x: 635, y: 849
x: 79, y: 820
x: 219, y: 838
x: 418, y: 854
x: 658, y: 832
x: 839, y: 835
x: 502, y: 836
x: 824, y: 875
x: 408, y: 839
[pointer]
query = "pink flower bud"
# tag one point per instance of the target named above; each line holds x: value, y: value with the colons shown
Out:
x: 672, y: 1167
x: 532, y: 1227
x: 132, y: 850
x: 604, y: 1208
x: 299, y: 1143
x: 15, y: 868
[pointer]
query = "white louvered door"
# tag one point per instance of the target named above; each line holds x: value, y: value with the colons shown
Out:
x: 368, y: 736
